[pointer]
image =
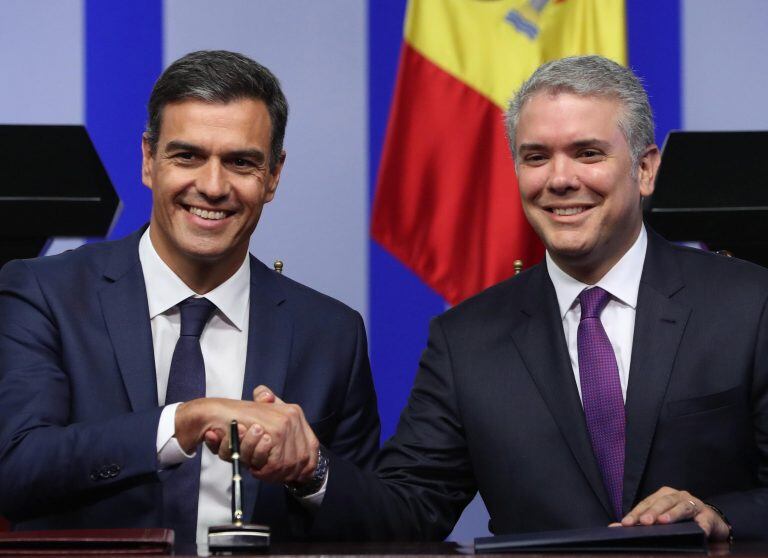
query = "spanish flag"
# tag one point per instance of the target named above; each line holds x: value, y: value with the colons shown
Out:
x: 447, y: 204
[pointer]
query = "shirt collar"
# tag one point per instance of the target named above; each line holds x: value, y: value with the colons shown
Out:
x: 165, y: 289
x: 622, y: 281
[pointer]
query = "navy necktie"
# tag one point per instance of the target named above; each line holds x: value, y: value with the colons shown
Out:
x: 601, y: 393
x: 186, y: 381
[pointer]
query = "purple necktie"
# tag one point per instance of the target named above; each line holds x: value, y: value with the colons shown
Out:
x: 186, y: 381
x: 601, y: 393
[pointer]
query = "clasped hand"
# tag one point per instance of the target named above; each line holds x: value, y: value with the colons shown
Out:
x: 276, y: 442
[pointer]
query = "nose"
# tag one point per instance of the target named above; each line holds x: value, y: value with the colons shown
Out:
x: 563, y: 175
x: 213, y: 182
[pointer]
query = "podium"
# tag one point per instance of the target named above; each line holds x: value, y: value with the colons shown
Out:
x: 712, y: 187
x: 52, y: 183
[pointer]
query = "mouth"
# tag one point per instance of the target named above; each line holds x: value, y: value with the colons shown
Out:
x: 568, y: 211
x: 208, y: 214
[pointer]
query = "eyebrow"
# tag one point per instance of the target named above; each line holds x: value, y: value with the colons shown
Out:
x: 177, y: 145
x: 591, y: 142
x: 578, y: 144
x: 531, y: 147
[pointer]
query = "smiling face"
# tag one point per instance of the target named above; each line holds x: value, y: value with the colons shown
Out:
x: 210, y: 179
x: 574, y: 170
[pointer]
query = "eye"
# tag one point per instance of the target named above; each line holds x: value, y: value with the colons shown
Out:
x: 591, y: 155
x: 241, y: 164
x: 535, y: 159
x: 184, y: 156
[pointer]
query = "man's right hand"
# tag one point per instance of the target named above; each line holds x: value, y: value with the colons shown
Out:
x: 214, y: 438
x: 277, y: 443
x: 281, y: 458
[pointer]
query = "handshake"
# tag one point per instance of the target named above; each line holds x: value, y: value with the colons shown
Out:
x: 276, y: 442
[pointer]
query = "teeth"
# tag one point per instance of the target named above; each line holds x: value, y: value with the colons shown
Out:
x: 205, y: 214
x: 567, y: 210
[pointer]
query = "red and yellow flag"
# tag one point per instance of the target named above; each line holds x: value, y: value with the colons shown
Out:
x: 447, y: 203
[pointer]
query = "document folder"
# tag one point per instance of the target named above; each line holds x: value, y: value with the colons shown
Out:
x: 87, y: 541
x: 676, y: 537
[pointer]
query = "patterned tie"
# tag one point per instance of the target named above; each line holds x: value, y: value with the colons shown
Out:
x: 601, y: 393
x: 186, y: 381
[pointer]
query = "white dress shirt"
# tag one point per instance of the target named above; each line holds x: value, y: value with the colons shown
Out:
x: 224, y: 344
x: 618, y: 317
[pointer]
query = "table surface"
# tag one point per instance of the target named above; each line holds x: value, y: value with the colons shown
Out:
x: 405, y: 550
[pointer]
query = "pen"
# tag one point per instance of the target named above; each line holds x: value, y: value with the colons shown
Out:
x: 237, y: 494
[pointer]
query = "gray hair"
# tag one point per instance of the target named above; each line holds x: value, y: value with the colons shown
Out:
x: 591, y: 76
x: 219, y: 76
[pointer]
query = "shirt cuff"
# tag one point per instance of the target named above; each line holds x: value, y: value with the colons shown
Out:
x: 169, y: 452
x: 312, y: 502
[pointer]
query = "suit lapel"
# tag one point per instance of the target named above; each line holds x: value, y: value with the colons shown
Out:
x: 124, y: 306
x: 540, y: 340
x: 659, y: 325
x: 270, y: 335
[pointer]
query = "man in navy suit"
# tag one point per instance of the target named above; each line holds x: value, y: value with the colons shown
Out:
x: 624, y: 379
x: 88, y: 339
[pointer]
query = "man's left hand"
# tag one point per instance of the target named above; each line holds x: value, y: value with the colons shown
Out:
x: 668, y: 505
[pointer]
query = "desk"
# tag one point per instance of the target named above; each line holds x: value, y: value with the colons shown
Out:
x: 445, y: 549
x: 407, y: 550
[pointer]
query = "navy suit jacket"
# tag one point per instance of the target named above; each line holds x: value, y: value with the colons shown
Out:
x: 78, y: 395
x: 495, y: 408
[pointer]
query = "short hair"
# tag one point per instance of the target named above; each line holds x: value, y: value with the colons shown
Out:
x: 591, y: 76
x: 219, y: 76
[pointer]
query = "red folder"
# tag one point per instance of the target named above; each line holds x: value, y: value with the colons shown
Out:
x: 87, y: 541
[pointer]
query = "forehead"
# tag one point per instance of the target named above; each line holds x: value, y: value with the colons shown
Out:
x: 239, y: 120
x: 552, y: 118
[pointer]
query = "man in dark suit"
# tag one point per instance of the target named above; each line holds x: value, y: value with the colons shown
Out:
x: 624, y: 379
x: 114, y: 367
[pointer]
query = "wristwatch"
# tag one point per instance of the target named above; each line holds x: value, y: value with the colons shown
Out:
x: 725, y: 520
x: 314, y: 484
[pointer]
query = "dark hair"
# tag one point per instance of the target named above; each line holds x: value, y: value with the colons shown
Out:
x: 219, y: 76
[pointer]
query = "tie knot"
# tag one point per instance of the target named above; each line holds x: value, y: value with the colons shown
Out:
x: 593, y: 301
x: 195, y: 313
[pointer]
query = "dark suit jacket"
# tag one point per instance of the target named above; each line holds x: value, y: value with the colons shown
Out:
x: 78, y: 395
x: 495, y: 407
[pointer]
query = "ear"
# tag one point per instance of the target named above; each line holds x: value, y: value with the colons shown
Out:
x: 274, y: 178
x: 146, y: 162
x: 647, y: 169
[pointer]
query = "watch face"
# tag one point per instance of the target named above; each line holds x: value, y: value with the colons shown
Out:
x: 301, y: 490
x: 322, y: 466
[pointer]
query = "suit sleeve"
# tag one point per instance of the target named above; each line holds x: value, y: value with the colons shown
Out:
x: 45, y: 460
x: 747, y: 511
x: 422, y: 479
x: 356, y: 438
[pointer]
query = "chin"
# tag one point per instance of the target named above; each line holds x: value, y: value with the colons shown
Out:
x: 198, y: 251
x: 575, y: 255
x: 568, y: 247
x: 207, y: 256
